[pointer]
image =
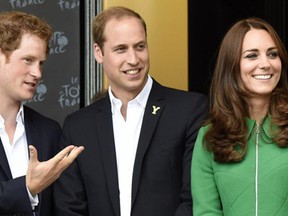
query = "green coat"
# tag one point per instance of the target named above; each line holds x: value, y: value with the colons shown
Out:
x: 230, y: 189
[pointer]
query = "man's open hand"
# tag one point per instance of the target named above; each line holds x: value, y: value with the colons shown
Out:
x: 42, y: 174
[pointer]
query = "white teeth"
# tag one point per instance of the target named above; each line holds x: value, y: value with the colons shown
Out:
x: 262, y: 77
x: 30, y: 83
x: 132, y: 72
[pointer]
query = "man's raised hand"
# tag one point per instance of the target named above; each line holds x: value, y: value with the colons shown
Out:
x: 42, y: 174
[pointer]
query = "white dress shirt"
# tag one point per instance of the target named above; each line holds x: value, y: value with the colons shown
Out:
x: 126, y: 135
x: 17, y: 151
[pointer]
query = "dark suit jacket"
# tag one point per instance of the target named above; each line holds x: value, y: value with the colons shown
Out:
x: 44, y: 134
x: 161, y: 178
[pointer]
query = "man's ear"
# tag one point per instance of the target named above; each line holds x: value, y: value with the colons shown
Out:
x: 98, y: 55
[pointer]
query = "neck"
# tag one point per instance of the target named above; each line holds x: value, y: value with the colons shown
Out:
x: 258, y: 109
x: 9, y: 114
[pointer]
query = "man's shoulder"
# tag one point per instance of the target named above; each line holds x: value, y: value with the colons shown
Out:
x: 36, y: 117
x: 98, y: 106
x: 157, y: 85
x: 179, y: 94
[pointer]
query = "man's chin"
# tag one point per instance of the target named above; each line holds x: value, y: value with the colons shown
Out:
x: 26, y: 98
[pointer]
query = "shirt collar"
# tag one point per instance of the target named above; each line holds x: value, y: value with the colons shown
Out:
x: 20, y: 115
x: 265, y: 126
x: 141, y: 98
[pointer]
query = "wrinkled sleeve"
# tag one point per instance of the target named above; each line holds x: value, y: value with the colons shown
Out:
x: 14, y: 198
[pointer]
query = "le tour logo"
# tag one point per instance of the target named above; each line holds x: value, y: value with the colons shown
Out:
x: 63, y: 4
x: 39, y: 95
x: 70, y: 94
x: 69, y: 5
x: 58, y: 43
x: 24, y: 3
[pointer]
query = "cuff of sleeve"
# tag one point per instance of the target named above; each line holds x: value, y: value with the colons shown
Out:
x: 33, y: 199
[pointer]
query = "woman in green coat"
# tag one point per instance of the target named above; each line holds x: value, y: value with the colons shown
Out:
x: 240, y: 160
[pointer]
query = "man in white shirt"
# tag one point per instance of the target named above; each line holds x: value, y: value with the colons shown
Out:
x: 138, y: 139
x: 25, y: 134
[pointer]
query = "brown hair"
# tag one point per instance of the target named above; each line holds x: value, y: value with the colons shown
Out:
x: 227, y: 134
x: 100, y: 21
x: 14, y: 24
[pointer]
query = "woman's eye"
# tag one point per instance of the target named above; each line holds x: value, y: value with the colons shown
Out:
x: 273, y: 54
x: 252, y: 55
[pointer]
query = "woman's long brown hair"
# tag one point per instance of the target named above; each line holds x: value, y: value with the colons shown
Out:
x: 227, y: 132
